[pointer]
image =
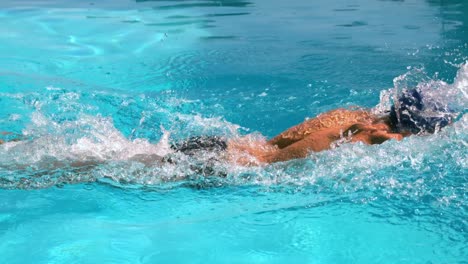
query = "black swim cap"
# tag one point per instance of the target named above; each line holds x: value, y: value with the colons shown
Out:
x: 411, y: 113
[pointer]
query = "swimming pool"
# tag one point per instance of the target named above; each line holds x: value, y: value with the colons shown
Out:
x: 110, y: 79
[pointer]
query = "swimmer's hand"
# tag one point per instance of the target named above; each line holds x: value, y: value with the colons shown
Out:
x: 371, y: 134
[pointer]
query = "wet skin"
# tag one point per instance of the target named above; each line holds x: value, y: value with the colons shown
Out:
x: 315, y: 135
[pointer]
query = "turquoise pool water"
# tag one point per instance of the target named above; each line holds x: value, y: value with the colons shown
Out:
x: 107, y: 80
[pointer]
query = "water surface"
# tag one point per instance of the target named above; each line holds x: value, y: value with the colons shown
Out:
x: 105, y: 79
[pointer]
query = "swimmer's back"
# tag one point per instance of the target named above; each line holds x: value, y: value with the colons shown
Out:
x: 338, y: 119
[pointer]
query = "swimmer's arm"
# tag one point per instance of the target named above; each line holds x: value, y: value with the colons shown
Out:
x: 372, y: 134
x: 297, y: 132
x: 312, y: 143
x: 322, y: 140
x: 146, y: 160
x: 286, y: 138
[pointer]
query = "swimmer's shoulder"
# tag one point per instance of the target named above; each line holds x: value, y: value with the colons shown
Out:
x: 345, y: 116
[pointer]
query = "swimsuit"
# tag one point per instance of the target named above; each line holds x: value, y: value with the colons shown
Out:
x: 207, y: 163
x: 200, y: 143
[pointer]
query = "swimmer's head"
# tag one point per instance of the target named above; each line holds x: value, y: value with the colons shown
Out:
x: 410, y: 113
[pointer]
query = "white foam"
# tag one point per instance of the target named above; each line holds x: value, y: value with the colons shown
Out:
x: 94, y: 138
x: 461, y: 81
x: 449, y: 96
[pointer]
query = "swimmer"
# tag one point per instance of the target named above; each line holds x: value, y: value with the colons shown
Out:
x: 410, y: 115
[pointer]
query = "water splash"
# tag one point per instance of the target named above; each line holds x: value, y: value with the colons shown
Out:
x: 437, y: 94
x: 76, y: 137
